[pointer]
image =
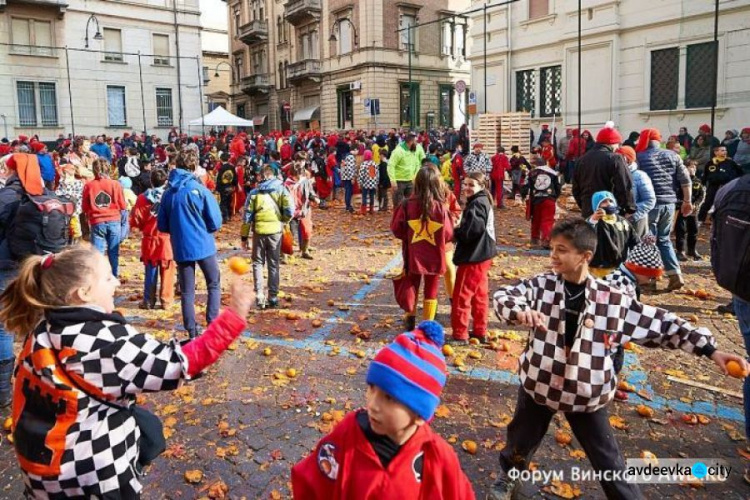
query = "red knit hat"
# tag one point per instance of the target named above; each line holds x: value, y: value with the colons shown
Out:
x: 647, y: 135
x: 38, y: 146
x: 705, y: 128
x: 609, y: 134
x: 628, y: 153
x: 23, y: 138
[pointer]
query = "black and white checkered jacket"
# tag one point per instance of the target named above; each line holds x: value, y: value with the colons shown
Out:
x: 68, y: 444
x: 477, y: 163
x: 620, y: 278
x: 583, y: 379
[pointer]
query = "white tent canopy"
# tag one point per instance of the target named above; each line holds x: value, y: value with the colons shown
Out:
x: 220, y: 117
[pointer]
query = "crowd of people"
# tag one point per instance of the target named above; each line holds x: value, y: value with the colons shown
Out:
x: 443, y: 193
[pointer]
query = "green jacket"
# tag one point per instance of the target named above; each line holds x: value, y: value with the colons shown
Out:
x: 404, y: 164
x: 267, y: 209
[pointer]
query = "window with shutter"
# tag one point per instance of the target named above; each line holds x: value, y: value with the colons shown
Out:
x: 408, y: 36
x: 48, y: 104
x: 525, y: 86
x: 21, y: 36
x: 112, y: 44
x: 538, y: 8
x: 161, y: 50
x: 550, y: 91
x: 700, y: 75
x: 26, y: 104
x: 665, y: 69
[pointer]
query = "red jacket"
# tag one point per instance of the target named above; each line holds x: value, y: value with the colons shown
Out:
x: 102, y: 201
x: 576, y: 147
x: 286, y: 152
x: 423, y: 244
x: 345, y: 466
x: 237, y: 147
x: 500, y: 165
x: 155, y: 245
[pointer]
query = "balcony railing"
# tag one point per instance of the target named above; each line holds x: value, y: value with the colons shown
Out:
x: 303, y: 70
x: 254, y: 84
x: 302, y: 11
x: 254, y: 32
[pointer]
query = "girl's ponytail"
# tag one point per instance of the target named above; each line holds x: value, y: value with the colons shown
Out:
x: 44, y: 282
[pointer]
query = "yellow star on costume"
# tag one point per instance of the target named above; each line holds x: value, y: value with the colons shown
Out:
x: 424, y: 230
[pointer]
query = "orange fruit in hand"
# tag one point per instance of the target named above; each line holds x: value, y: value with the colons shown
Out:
x: 238, y: 265
x: 735, y: 369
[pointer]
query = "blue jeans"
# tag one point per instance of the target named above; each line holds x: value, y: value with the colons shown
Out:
x: 106, y: 237
x: 186, y: 272
x: 124, y: 225
x: 742, y: 310
x: 660, y: 222
x: 368, y: 194
x: 348, y: 191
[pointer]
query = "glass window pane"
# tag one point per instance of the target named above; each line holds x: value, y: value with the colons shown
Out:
x: 538, y: 8
x: 345, y: 37
x: 116, y: 106
x: 550, y: 91
x: 48, y: 104
x: 461, y: 39
x: 164, y: 107
x: 525, y: 86
x: 26, y: 104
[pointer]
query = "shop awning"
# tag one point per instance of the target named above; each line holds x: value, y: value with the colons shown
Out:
x: 259, y: 120
x: 305, y: 114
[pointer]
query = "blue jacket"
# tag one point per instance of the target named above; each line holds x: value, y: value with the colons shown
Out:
x: 103, y: 151
x: 643, y: 193
x: 666, y: 171
x: 47, y: 167
x: 189, y: 213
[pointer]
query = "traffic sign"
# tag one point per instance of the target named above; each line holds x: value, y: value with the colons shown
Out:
x: 287, y: 107
x: 367, y: 102
x: 472, y: 98
x: 460, y: 86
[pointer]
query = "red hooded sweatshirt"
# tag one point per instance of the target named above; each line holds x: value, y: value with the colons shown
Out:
x: 345, y: 466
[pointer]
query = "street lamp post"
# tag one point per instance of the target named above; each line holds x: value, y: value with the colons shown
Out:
x: 235, y: 80
x: 98, y: 34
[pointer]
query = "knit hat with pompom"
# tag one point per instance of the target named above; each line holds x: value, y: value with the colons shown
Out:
x: 412, y: 369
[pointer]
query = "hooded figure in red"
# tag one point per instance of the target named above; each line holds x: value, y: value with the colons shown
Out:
x: 237, y: 147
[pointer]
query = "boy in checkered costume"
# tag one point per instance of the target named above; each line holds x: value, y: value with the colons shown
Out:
x: 80, y: 370
x: 576, y: 321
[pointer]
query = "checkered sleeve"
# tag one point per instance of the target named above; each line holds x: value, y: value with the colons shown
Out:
x: 655, y: 327
x: 133, y: 363
x: 510, y: 300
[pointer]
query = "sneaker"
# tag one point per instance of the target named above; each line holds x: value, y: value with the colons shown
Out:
x: 695, y: 255
x: 307, y: 256
x: 682, y: 257
x: 503, y: 488
x: 260, y: 303
x: 410, y: 323
x: 273, y: 303
x: 144, y: 305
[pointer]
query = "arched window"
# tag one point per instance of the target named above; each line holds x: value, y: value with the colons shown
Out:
x: 279, y: 28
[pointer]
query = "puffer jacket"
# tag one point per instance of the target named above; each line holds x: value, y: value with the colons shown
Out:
x: 267, y: 208
x: 666, y: 172
x: 643, y: 192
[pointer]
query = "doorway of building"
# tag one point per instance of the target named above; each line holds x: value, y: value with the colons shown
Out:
x: 346, y: 109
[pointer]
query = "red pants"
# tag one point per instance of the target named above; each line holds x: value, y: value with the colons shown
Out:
x: 471, y: 298
x: 542, y: 219
x: 431, y: 284
x: 497, y: 191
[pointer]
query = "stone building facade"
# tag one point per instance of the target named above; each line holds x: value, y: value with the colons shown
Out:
x: 316, y: 63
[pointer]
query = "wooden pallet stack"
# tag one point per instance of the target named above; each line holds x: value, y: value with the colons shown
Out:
x: 504, y: 129
x: 514, y: 131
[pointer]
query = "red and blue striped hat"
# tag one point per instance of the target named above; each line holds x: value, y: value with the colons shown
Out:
x: 412, y: 369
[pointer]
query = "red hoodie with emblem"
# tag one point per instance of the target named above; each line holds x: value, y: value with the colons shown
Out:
x: 423, y: 242
x: 103, y: 200
x: 344, y: 465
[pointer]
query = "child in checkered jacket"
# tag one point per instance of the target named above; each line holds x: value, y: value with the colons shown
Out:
x: 80, y: 369
x: 576, y: 321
